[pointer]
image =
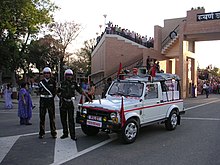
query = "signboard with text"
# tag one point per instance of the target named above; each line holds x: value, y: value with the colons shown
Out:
x: 208, y: 16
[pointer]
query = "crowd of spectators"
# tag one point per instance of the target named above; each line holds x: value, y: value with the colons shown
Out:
x: 213, y: 85
x: 210, y: 79
x: 131, y: 35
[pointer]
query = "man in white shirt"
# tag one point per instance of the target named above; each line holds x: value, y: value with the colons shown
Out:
x: 206, y: 89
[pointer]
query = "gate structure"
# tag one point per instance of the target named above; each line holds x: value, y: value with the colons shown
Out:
x: 174, y: 47
x: 177, y: 42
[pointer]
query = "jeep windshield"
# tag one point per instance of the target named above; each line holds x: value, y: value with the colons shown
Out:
x: 127, y: 89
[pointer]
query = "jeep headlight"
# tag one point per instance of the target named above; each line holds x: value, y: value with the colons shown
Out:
x: 104, y: 119
x: 84, y: 111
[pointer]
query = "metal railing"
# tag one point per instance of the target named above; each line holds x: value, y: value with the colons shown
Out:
x: 169, y: 37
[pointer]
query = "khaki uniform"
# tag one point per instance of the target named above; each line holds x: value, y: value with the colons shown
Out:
x: 67, y: 92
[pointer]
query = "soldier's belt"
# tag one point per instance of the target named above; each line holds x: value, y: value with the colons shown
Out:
x: 68, y: 100
x: 46, y: 96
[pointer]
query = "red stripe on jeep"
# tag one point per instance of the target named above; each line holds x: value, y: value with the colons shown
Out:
x: 151, y: 106
x: 134, y: 109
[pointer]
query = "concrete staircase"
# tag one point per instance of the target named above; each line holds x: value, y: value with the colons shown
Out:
x: 170, y: 44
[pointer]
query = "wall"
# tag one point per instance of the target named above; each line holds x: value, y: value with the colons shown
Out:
x: 119, y: 50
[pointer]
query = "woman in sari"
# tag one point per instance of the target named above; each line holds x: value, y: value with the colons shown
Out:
x: 24, y: 105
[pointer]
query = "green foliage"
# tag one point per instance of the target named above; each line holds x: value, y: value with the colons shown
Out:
x: 21, y: 21
x: 45, y: 52
x: 82, y: 62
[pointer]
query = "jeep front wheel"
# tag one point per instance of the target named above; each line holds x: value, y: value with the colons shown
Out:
x: 172, y: 121
x: 129, y: 131
x: 89, y: 130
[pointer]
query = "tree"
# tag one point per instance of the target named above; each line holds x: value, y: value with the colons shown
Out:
x: 82, y: 62
x: 45, y: 52
x: 66, y: 33
x: 20, y: 21
x: 205, y: 74
x: 215, y: 72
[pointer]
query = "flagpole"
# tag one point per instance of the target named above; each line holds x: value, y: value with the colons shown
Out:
x: 122, y: 113
x: 119, y: 70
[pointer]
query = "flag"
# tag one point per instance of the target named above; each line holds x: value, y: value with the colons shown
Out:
x: 153, y: 70
x: 122, y: 113
x: 119, y: 69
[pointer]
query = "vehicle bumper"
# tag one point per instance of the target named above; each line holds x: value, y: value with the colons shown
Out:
x: 104, y: 125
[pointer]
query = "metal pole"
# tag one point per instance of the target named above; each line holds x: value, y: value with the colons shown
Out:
x: 105, y: 15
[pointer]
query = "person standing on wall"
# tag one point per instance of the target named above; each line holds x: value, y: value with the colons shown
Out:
x: 47, y: 90
x: 66, y: 93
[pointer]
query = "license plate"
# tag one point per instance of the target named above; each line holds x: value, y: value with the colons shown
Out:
x: 97, y: 118
x: 94, y: 123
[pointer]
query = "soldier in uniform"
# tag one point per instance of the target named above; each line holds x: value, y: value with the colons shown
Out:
x: 47, y: 90
x: 66, y: 94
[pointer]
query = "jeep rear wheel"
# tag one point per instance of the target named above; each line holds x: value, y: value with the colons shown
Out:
x: 129, y: 131
x: 89, y: 130
x: 172, y: 121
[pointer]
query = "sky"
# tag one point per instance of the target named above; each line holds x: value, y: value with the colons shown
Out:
x: 136, y: 15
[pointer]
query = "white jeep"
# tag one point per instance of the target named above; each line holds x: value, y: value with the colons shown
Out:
x: 132, y: 103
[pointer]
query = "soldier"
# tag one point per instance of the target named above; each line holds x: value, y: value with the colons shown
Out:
x: 47, y: 90
x: 67, y: 94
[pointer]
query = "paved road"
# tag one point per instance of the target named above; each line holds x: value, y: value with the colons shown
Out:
x: 195, y: 141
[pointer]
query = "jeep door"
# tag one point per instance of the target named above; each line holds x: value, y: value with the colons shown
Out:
x: 151, y: 103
